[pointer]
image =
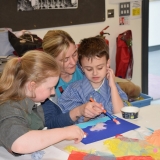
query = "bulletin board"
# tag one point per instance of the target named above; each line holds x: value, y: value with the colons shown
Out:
x: 88, y: 11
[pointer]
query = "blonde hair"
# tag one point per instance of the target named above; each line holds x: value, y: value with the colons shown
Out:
x: 56, y: 41
x: 32, y: 66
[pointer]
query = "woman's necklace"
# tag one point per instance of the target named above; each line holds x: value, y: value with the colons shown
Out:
x: 66, y: 77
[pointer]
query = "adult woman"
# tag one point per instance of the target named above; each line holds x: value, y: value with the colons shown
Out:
x: 61, y: 46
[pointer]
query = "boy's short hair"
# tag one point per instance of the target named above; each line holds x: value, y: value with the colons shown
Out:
x: 93, y: 47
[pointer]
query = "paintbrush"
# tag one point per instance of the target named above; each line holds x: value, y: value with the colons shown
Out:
x: 106, y: 113
x: 111, y: 117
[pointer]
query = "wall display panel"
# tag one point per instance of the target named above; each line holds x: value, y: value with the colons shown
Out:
x: 87, y: 11
x: 28, y: 5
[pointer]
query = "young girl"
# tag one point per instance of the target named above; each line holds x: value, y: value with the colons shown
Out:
x: 24, y: 81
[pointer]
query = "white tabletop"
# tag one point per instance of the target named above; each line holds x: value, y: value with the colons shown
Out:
x: 148, y: 117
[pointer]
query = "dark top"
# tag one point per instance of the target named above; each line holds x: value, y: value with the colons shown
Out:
x: 54, y: 118
x: 17, y: 118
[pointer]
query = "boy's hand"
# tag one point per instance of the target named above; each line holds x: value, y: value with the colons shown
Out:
x: 111, y: 77
x: 91, y: 109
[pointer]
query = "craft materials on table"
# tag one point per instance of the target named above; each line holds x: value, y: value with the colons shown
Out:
x: 69, y: 149
x: 154, y: 138
x: 108, y: 114
x: 38, y: 155
x: 123, y: 146
x: 139, y: 142
x: 111, y: 117
x: 108, y: 128
x: 93, y: 122
x: 84, y: 156
x: 111, y: 130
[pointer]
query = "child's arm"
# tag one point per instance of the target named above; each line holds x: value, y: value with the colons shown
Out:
x: 116, y: 99
x: 71, y: 100
x: 35, y: 140
x: 54, y: 118
x: 88, y: 110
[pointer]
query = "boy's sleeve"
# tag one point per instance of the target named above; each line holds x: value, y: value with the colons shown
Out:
x: 122, y: 94
x: 70, y: 99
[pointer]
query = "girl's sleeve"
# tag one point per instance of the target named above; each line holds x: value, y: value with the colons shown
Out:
x: 11, y: 129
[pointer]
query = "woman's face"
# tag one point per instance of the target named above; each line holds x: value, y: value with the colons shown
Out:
x: 68, y: 61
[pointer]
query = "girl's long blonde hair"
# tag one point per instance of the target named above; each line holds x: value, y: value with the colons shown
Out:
x: 32, y: 66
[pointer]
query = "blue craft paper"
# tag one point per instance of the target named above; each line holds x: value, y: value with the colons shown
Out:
x: 112, y: 129
x: 93, y: 122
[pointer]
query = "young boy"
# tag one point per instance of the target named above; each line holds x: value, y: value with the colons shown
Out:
x: 97, y: 83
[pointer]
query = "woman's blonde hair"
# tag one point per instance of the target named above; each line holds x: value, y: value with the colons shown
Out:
x: 32, y: 66
x: 56, y: 41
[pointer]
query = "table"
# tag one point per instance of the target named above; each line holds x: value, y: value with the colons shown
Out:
x: 148, y: 117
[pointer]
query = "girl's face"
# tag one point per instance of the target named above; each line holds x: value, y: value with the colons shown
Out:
x: 68, y: 62
x: 95, y: 69
x: 45, y: 89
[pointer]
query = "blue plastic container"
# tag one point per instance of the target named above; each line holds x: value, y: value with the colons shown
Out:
x: 141, y: 103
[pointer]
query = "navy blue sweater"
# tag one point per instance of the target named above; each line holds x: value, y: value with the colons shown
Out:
x: 54, y: 118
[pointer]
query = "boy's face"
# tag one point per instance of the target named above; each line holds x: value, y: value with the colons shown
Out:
x: 95, y: 69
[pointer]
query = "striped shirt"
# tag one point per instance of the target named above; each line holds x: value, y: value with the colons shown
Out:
x: 80, y: 92
x: 62, y: 85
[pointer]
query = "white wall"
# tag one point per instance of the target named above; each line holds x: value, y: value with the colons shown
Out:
x: 79, y: 32
x: 154, y: 23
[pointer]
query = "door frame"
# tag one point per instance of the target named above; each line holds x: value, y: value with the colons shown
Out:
x: 144, y: 57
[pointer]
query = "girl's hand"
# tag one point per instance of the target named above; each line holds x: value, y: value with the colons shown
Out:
x: 74, y: 133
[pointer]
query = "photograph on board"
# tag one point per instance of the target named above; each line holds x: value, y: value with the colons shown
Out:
x: 29, y: 5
